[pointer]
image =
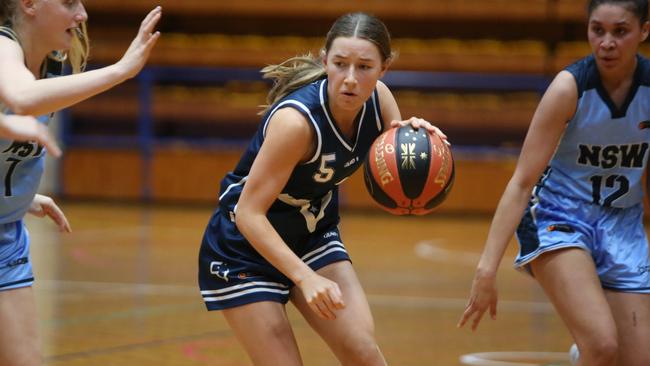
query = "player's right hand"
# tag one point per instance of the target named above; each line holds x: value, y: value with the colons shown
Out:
x: 322, y: 295
x: 482, y: 296
x: 138, y: 52
x: 27, y: 128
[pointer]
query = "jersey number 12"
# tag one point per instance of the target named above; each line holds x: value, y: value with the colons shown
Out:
x: 610, y: 182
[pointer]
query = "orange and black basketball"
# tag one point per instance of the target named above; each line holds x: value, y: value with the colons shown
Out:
x: 409, y: 172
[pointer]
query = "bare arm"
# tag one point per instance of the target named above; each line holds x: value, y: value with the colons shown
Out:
x: 554, y: 110
x: 288, y: 141
x: 24, y: 94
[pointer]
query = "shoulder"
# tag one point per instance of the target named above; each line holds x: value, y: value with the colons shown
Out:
x: 288, y: 130
x: 387, y: 104
x: 383, y: 90
x: 289, y: 122
x: 585, y: 73
x: 560, y: 99
x: 10, y: 46
x: 565, y: 83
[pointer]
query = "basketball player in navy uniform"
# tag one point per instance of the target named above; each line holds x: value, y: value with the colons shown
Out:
x: 274, y: 236
x: 36, y: 37
x: 581, y: 233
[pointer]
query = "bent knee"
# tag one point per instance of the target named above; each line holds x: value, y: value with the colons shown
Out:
x: 361, y: 352
x: 603, y: 349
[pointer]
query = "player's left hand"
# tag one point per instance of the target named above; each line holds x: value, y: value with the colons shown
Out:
x: 26, y: 128
x: 417, y: 123
x: 44, y: 206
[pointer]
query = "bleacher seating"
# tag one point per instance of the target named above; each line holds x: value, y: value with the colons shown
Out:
x: 519, y: 39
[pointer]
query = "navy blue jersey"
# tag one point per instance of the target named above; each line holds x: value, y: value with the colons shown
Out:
x: 21, y: 163
x: 602, y: 155
x: 309, y: 200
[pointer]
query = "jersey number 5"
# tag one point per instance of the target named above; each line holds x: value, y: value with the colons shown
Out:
x: 325, y: 173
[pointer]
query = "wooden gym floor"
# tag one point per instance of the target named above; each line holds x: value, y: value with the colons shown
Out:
x: 121, y: 290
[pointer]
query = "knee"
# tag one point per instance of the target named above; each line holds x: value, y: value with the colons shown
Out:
x: 362, y: 351
x: 602, y: 351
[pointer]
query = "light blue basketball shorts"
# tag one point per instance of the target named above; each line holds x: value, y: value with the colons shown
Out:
x: 614, y: 237
x: 15, y: 266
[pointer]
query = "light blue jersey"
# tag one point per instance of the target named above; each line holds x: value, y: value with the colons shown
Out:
x: 603, y: 153
x: 21, y: 163
x: 21, y: 171
x: 591, y: 195
x: 21, y: 168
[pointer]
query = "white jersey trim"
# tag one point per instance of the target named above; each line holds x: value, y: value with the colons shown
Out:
x: 311, y: 119
x: 314, y: 255
x: 240, y: 290
x: 377, y: 119
x: 240, y: 183
x: 329, y: 119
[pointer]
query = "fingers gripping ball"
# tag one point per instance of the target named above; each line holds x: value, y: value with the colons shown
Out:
x: 409, y: 172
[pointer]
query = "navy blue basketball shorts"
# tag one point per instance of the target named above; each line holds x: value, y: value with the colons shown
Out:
x: 15, y: 266
x: 232, y: 273
x: 614, y: 237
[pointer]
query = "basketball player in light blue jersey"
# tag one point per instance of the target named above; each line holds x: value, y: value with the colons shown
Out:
x: 581, y: 233
x: 275, y: 236
x: 36, y: 38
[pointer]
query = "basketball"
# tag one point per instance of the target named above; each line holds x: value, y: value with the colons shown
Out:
x: 409, y: 172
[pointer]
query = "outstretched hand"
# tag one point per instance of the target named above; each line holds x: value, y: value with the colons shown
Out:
x: 482, y: 296
x: 138, y: 52
x: 44, y: 206
x: 416, y: 123
x: 322, y: 295
x: 27, y: 128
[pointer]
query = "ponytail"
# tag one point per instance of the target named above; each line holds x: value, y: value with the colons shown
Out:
x: 291, y: 75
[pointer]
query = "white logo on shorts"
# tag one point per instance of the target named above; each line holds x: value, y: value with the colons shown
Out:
x: 216, y: 268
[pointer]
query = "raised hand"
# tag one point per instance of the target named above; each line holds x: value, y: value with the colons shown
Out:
x: 27, y: 128
x: 138, y: 52
x: 44, y: 206
x: 322, y: 295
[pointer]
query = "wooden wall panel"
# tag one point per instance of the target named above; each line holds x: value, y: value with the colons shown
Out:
x: 190, y: 175
x: 102, y: 173
x: 186, y: 175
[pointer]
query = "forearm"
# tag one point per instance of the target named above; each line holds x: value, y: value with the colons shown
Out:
x: 264, y: 238
x: 50, y: 95
x: 506, y: 218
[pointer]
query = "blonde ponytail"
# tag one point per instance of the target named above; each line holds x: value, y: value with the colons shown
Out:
x: 291, y: 75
